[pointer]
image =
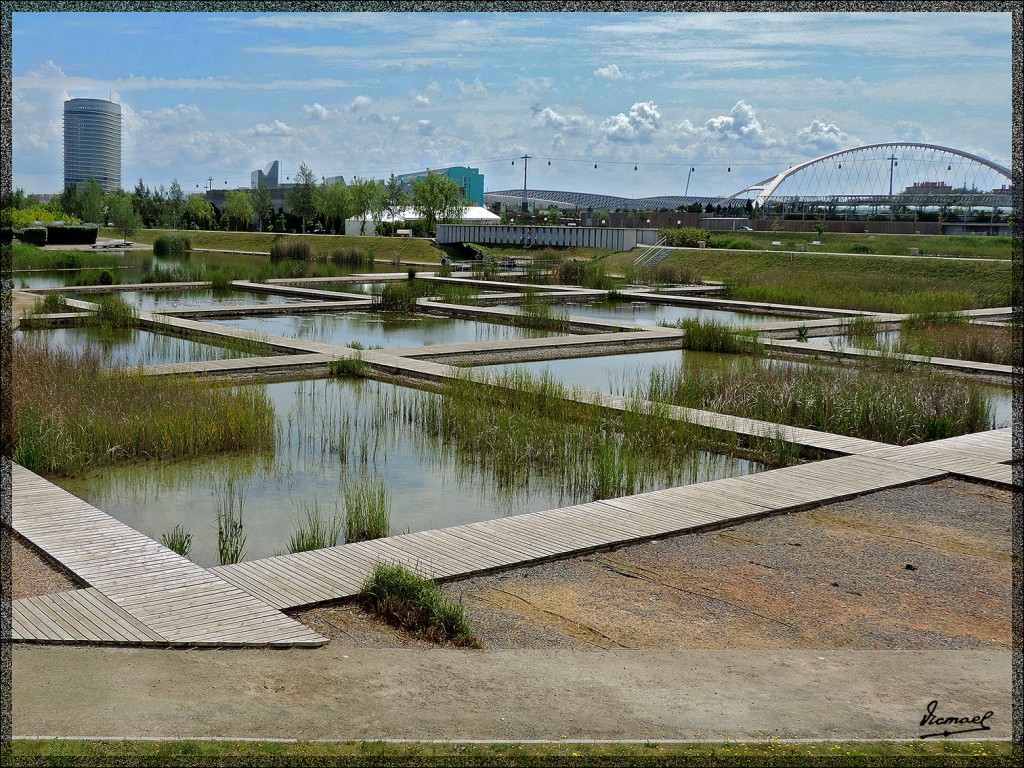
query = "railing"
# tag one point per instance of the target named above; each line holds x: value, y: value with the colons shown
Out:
x: 649, y: 253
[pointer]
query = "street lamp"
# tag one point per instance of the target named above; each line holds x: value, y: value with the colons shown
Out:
x: 685, y: 193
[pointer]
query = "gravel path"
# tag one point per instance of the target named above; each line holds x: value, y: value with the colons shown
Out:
x: 33, y: 573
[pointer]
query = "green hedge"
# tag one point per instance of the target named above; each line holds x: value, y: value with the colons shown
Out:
x: 32, y: 235
x: 71, y: 234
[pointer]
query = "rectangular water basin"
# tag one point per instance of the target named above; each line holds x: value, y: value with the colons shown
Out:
x: 331, y: 433
x: 387, y: 329
x: 131, y: 346
x: 167, y: 300
x: 651, y: 314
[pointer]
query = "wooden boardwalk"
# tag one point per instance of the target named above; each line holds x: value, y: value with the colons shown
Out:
x: 140, y: 591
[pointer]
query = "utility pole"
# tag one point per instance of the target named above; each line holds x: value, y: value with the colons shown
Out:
x: 526, y: 207
x: 893, y: 162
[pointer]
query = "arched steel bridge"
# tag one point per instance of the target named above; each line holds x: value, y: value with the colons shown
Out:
x: 908, y: 174
x: 904, y: 173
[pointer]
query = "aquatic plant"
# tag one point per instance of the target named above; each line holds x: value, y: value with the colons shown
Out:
x: 367, y: 510
x: 52, y: 303
x: 178, y: 540
x: 230, y: 530
x: 313, y: 530
x: 713, y: 336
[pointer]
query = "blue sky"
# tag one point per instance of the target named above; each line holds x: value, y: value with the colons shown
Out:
x: 367, y: 94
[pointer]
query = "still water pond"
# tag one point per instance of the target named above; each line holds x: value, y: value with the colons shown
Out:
x: 331, y: 432
x: 129, y: 346
x: 648, y: 313
x: 388, y: 329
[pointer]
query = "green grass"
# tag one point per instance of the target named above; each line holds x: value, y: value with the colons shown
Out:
x: 375, y: 754
x: 71, y: 415
x: 885, y: 401
x: 27, y: 256
x: 416, y: 604
x: 850, y: 282
x: 713, y: 336
x: 230, y: 529
x: 112, y: 313
x: 52, y: 303
x: 367, y: 510
x: 349, y: 367
x: 322, y: 246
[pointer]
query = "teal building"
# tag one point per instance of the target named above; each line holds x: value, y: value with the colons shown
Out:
x: 470, y: 180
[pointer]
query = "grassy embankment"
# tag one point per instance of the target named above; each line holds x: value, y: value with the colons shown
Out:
x: 25, y: 256
x: 961, y: 246
x: 869, y: 283
x: 769, y: 754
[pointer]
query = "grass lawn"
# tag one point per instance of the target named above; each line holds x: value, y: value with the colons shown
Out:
x: 850, y: 282
x: 390, y: 248
x: 963, y: 246
x: 370, y: 753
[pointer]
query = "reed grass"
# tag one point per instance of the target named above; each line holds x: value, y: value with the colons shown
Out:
x: 367, y: 510
x: 112, y: 313
x: 714, y: 336
x: 291, y: 248
x: 417, y: 605
x: 171, y: 245
x: 52, y: 303
x: 875, y: 401
x: 26, y: 256
x: 179, y: 273
x: 178, y: 540
x: 400, y: 297
x: 313, y: 530
x: 70, y: 414
x: 349, y: 367
x: 230, y: 529
x: 351, y: 257
x: 538, y: 314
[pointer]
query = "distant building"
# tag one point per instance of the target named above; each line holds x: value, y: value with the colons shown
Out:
x: 470, y: 180
x: 92, y: 142
x: 271, y: 174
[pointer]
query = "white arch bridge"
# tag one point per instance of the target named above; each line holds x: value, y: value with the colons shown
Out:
x: 907, y: 174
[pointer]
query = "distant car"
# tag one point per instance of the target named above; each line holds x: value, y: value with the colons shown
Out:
x: 746, y: 229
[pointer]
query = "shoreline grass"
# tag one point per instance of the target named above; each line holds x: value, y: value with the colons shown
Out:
x: 25, y: 256
x: 367, y: 510
x: 70, y: 414
x: 312, y: 530
x: 414, y: 603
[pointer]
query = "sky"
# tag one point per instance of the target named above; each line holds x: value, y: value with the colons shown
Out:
x: 736, y: 96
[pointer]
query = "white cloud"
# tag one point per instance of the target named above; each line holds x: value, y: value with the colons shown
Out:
x: 740, y: 125
x: 611, y: 72
x: 822, y: 137
x: 425, y: 127
x: 476, y: 88
x: 572, y: 124
x: 359, y: 102
x: 421, y: 100
x: 277, y: 128
x: 643, y: 120
x: 904, y: 130
x: 316, y: 111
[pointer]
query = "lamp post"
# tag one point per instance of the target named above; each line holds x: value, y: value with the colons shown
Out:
x: 526, y: 160
x: 687, y: 191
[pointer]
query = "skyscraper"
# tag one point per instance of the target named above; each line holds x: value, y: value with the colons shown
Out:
x: 92, y: 142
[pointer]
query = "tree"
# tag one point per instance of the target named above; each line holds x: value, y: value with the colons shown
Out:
x: 301, y: 196
x: 333, y: 204
x: 124, y: 219
x: 68, y: 199
x: 366, y: 197
x: 554, y: 215
x: 395, y: 198
x: 175, y: 202
x: 238, y: 207
x: 262, y: 203
x: 90, y: 201
x: 436, y: 198
x: 198, y: 210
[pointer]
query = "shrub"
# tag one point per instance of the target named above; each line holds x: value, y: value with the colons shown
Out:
x: 416, y: 604
x: 685, y: 237
x: 859, y: 248
x: 71, y: 234
x: 6, y: 234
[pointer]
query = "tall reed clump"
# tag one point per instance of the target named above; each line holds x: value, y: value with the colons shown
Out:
x: 180, y: 273
x: 349, y: 367
x: 416, y: 604
x: 313, y: 530
x: 178, y: 540
x: 70, y: 414
x: 588, y: 274
x: 51, y: 304
x: 367, y: 510
x: 290, y: 248
x: 113, y: 313
x: 861, y: 329
x: 230, y: 530
x: 892, y: 404
x: 713, y: 336
x: 400, y: 297
x: 538, y: 314
x: 171, y: 245
x: 351, y: 257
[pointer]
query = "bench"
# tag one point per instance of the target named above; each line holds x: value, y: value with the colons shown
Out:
x: 403, y: 232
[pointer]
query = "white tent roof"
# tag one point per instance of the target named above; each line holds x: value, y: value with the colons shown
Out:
x: 471, y: 213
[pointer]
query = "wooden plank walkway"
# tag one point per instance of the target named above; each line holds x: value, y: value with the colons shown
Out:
x: 140, y: 591
x: 307, y: 578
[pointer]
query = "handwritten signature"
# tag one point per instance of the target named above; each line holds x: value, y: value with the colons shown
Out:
x: 977, y: 721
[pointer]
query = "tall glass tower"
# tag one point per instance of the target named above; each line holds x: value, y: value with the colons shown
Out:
x: 92, y: 142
